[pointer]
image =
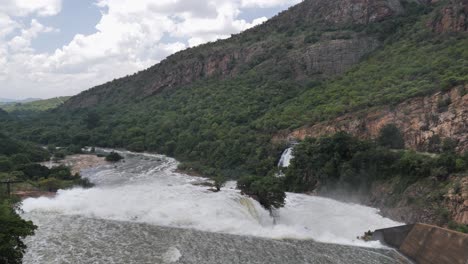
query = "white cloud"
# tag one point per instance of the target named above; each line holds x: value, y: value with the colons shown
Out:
x: 130, y: 36
x: 268, y: 3
x: 27, y: 7
x: 22, y: 42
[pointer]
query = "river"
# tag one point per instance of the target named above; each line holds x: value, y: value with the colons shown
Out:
x: 142, y: 211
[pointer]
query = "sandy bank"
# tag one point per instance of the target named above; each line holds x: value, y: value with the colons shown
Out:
x: 78, y: 162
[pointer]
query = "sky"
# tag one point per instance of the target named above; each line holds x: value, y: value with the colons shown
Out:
x: 54, y: 48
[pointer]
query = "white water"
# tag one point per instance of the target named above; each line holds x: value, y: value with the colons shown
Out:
x: 286, y: 158
x: 145, y: 189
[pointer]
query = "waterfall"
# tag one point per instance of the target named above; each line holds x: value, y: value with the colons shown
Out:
x: 286, y: 158
x: 248, y: 204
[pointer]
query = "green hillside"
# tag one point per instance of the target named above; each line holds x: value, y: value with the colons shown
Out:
x: 35, y: 106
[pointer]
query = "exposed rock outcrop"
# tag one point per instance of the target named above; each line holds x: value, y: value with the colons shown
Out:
x: 444, y: 114
x: 333, y: 56
x: 342, y: 12
x: 451, y: 18
x: 457, y: 200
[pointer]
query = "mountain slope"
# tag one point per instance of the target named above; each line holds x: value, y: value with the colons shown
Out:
x: 216, y: 107
x: 317, y: 29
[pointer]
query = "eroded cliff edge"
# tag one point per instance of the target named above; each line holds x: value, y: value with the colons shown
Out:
x: 421, y: 120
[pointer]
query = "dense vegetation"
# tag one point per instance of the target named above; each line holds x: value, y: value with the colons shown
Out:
x: 19, y: 162
x: 13, y: 230
x: 344, y: 162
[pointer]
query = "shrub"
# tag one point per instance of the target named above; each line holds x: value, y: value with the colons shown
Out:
x: 50, y: 184
x: 114, y: 157
x: 391, y: 137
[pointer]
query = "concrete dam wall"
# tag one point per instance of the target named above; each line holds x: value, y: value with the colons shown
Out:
x: 426, y: 244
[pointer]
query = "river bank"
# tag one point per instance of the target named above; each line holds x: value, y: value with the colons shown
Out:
x: 78, y: 162
x: 48, y: 187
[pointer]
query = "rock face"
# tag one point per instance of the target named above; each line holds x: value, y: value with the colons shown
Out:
x: 451, y: 18
x: 444, y: 114
x: 342, y: 12
x: 258, y: 49
x: 333, y: 56
x: 457, y: 201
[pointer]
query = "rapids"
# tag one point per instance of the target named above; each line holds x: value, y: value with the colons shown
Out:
x: 142, y: 211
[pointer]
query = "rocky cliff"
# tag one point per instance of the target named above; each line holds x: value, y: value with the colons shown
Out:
x: 323, y: 47
x: 451, y: 18
x: 421, y: 120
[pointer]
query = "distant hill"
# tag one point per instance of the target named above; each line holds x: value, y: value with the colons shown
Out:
x: 6, y: 100
x: 34, y: 105
x: 10, y: 101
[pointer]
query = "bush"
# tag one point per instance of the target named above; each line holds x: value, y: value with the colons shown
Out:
x: 60, y: 154
x: 449, y: 145
x: 50, y: 184
x: 34, y: 171
x: 74, y: 149
x: 114, y: 157
x: 458, y: 227
x: 391, y: 137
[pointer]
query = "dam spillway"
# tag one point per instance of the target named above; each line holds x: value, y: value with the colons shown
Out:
x: 142, y: 211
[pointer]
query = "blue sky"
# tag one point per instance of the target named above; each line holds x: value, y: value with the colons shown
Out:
x: 76, y: 17
x: 61, y: 47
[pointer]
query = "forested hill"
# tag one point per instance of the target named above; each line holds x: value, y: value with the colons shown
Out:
x: 218, y: 106
x: 314, y: 39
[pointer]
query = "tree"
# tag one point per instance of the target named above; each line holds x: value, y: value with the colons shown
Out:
x: 50, y: 184
x: 391, y: 137
x: 449, y: 145
x: 5, y: 164
x: 268, y: 191
x: 13, y: 230
x: 219, y: 182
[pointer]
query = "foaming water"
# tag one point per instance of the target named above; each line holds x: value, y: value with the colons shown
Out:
x: 286, y: 158
x: 145, y: 189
